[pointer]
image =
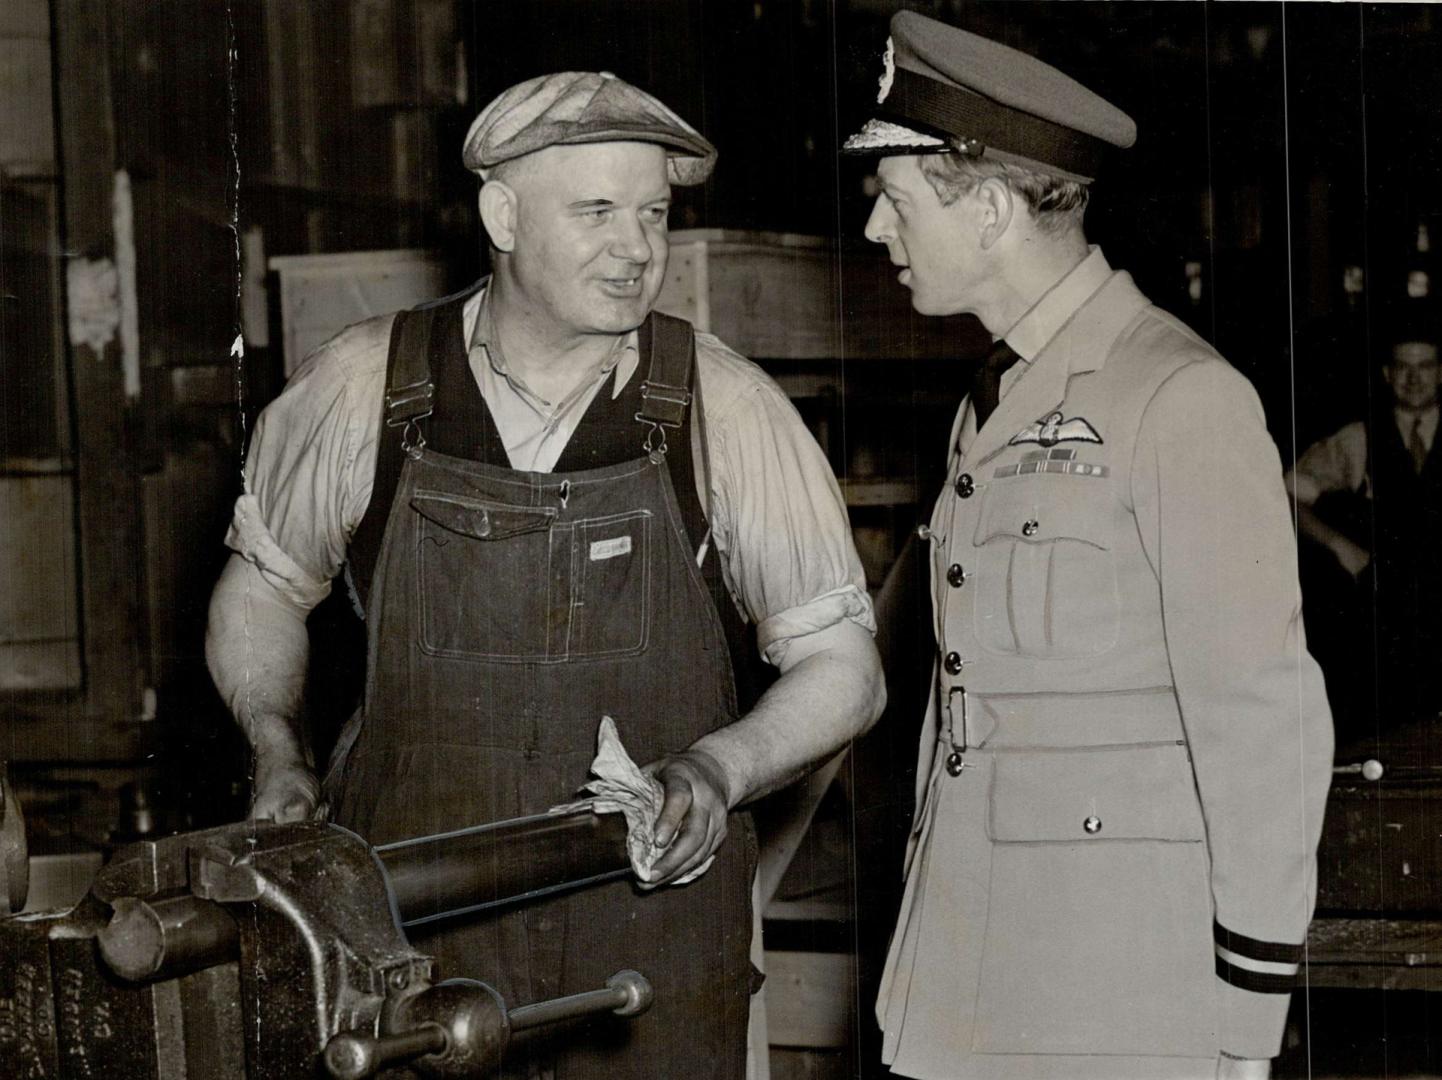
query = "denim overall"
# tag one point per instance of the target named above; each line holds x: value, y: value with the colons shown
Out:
x: 508, y: 611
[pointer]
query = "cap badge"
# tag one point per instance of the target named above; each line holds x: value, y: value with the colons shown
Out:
x: 888, y: 71
x: 1053, y: 428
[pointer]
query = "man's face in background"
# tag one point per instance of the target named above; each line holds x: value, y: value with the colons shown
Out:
x: 1412, y: 374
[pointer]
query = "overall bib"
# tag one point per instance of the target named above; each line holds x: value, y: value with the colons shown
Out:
x: 508, y: 611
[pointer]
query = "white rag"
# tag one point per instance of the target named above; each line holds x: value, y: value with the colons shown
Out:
x: 620, y: 786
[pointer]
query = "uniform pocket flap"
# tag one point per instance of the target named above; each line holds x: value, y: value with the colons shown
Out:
x: 480, y: 519
x: 1041, y: 509
x: 1119, y: 793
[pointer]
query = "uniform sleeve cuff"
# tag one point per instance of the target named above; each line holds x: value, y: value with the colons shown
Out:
x: 775, y: 634
x: 249, y: 536
x: 1256, y: 980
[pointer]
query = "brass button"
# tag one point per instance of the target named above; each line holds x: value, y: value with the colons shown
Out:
x: 965, y: 487
x: 952, y: 663
x: 1092, y: 824
x: 955, y: 575
x: 954, y: 763
x: 1030, y: 527
x: 923, y: 533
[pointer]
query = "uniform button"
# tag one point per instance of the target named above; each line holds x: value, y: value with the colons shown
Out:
x: 964, y: 486
x: 1030, y: 528
x: 923, y: 533
x: 955, y: 575
x: 952, y: 663
x: 1092, y: 824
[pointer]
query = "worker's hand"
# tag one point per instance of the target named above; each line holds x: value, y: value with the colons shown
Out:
x: 1230, y: 1068
x: 693, y: 817
x: 1353, y: 557
x: 284, y: 790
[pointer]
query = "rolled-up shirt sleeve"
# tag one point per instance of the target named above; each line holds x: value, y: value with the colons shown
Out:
x: 778, y: 518
x: 1336, y: 463
x: 311, y: 465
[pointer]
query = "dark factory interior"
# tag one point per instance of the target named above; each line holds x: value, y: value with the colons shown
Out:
x: 196, y: 193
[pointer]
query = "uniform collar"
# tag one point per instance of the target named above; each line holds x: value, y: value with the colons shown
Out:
x: 1044, y: 320
x: 1070, y: 330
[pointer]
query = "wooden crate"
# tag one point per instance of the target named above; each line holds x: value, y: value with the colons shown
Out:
x: 780, y: 296
x: 322, y: 294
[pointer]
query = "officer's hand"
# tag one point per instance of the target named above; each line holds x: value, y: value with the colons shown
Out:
x: 1230, y: 1068
x: 693, y: 817
x: 1354, y: 558
x: 284, y: 790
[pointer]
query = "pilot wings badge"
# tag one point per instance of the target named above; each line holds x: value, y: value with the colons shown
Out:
x: 1053, y: 428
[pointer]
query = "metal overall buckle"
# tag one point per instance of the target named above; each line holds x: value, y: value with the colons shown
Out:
x: 662, y: 407
x: 414, y: 403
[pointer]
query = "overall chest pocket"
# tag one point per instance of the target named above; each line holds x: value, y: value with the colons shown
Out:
x: 1046, y: 582
x: 512, y: 584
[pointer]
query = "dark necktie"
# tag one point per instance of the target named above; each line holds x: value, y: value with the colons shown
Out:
x: 1416, y: 447
x: 986, y: 389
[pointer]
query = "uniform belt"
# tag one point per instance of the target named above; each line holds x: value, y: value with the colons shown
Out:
x: 1057, y: 719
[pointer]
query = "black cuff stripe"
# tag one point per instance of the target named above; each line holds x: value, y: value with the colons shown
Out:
x: 1271, y: 951
x: 1259, y: 982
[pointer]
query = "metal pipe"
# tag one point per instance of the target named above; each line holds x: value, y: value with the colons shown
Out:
x: 429, y: 878
x: 436, y: 877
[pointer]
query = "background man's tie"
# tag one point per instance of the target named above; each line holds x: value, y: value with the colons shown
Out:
x: 1416, y: 447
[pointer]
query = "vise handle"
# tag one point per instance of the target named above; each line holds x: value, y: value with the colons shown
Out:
x: 350, y: 1056
x: 460, y: 1027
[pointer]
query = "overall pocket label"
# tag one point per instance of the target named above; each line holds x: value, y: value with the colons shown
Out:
x: 609, y: 549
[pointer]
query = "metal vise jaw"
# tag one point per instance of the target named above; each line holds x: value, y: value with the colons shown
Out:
x: 260, y: 952
x: 255, y: 943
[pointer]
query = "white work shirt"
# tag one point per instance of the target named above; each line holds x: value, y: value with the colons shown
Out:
x: 777, y: 517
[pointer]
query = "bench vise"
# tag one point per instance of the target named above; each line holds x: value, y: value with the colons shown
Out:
x: 259, y: 951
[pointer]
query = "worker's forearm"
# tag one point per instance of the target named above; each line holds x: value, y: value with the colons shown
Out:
x: 1353, y: 557
x: 256, y: 647
x: 827, y: 696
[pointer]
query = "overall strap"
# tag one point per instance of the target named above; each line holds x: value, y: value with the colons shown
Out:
x: 670, y: 354
x: 409, y: 400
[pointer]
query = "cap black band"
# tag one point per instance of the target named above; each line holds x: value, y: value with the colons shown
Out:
x: 951, y: 111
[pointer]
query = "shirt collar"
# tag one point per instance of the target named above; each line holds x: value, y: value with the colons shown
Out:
x: 1048, y: 315
x: 476, y: 321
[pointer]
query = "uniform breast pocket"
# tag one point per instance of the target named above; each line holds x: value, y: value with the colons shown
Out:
x: 1046, y: 581
x: 488, y: 583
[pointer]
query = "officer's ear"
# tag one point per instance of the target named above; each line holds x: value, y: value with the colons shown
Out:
x: 996, y: 205
x: 498, y: 214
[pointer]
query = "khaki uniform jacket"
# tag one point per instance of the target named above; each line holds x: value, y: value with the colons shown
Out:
x: 1119, y: 880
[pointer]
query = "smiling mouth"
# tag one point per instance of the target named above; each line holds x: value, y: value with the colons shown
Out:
x: 627, y: 287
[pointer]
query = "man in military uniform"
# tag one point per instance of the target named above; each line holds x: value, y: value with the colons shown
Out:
x: 1125, y: 761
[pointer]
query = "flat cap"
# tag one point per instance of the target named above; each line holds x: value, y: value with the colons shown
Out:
x: 573, y: 107
x: 945, y: 90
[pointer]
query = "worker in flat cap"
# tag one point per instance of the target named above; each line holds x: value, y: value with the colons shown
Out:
x: 544, y: 525
x: 1128, y: 748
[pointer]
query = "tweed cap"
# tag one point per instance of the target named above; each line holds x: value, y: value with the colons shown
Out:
x: 573, y: 107
x: 946, y: 90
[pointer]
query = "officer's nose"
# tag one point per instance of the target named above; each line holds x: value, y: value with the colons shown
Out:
x: 881, y: 225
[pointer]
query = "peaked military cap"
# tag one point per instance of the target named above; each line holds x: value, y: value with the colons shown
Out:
x: 945, y: 90
x: 574, y: 107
